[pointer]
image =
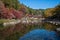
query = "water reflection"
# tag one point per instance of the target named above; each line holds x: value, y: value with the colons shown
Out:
x: 49, y: 26
x: 18, y: 30
x: 38, y: 34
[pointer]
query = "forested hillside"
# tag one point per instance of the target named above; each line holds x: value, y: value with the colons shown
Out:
x: 53, y: 14
x: 9, y: 9
x: 12, y: 9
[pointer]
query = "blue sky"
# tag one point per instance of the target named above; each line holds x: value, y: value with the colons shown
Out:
x: 40, y: 4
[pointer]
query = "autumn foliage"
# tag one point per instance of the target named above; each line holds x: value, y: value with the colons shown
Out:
x: 17, y: 14
x: 9, y: 13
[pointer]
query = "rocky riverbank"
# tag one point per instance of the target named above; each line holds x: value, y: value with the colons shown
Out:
x: 26, y: 20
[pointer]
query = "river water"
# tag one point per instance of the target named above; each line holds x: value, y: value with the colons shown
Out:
x: 36, y: 31
x: 40, y: 34
x: 44, y: 31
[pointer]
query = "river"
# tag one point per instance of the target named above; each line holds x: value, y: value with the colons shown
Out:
x: 39, y: 31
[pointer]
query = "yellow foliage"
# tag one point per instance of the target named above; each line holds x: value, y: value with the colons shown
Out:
x: 49, y: 12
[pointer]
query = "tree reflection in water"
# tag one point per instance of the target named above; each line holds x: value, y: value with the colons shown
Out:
x: 15, y: 32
